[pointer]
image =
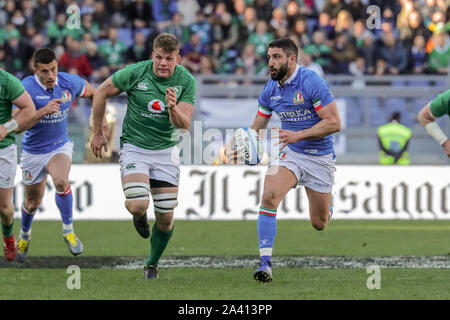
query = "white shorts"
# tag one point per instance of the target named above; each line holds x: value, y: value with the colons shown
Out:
x: 34, y: 166
x: 161, y: 164
x: 8, y: 166
x: 314, y: 172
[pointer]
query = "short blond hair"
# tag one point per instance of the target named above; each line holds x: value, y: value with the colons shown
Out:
x: 168, y: 42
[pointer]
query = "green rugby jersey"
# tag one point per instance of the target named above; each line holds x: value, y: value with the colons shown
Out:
x: 10, y: 89
x: 441, y: 104
x: 147, y: 124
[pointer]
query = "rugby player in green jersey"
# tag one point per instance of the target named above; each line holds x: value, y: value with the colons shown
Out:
x: 11, y: 92
x: 161, y: 97
x: 437, y: 108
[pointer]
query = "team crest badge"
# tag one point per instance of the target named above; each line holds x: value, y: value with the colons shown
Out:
x: 282, y: 155
x: 156, y: 106
x: 298, y: 99
x: 177, y: 90
x: 27, y: 175
x: 66, y: 96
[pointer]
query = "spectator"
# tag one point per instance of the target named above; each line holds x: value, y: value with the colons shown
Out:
x: 192, y: 52
x: 206, y: 66
x: 357, y: 68
x: 102, y: 17
x: 394, y: 54
x: 10, y: 8
x: 90, y: 26
x: 263, y: 10
x: 281, y: 32
x: 440, y: 56
x: 319, y: 50
x: 188, y: 8
x: 202, y: 28
x: 292, y: 13
x: 344, y: 23
x: 301, y: 32
x: 57, y: 30
x: 87, y: 7
x: 74, y: 59
x: 117, y: 13
x: 359, y: 31
x: 18, y: 53
x: 178, y: 29
x: 137, y: 51
x: 95, y: 60
x: 278, y: 19
x: 326, y: 25
x: 43, y: 13
x: 418, y: 55
x: 342, y: 53
x: 113, y: 50
x: 333, y: 7
x: 260, y: 38
x: 380, y: 67
x: 140, y: 14
x: 307, y: 61
x: 163, y: 11
x: 357, y: 9
x: 368, y: 50
x: 2, y: 58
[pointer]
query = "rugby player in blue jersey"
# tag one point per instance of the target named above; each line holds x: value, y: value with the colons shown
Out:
x: 309, y: 115
x: 46, y: 147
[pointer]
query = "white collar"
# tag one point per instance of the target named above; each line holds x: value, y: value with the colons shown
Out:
x: 292, y: 77
x: 41, y: 85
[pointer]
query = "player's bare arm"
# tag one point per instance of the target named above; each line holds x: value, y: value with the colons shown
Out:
x: 105, y: 90
x: 427, y: 120
x: 89, y: 93
x: 330, y: 123
x: 21, y: 116
x: 180, y: 114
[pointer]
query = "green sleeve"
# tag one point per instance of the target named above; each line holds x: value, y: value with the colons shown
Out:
x: 122, y: 79
x: 15, y: 88
x: 188, y: 95
x: 440, y: 105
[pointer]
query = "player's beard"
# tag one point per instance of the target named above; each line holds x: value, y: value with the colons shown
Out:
x: 280, y: 73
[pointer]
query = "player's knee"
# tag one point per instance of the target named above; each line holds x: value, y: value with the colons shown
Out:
x: 137, y: 197
x: 5, y: 208
x: 61, y: 184
x: 165, y: 202
x: 33, y: 205
x: 270, y: 199
x: 136, y: 207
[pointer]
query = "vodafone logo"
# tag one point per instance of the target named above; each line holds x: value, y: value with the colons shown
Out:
x: 156, y: 106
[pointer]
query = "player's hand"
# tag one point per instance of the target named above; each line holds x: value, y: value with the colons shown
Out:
x: 53, y: 106
x: 3, y: 132
x: 446, y: 146
x: 171, y: 98
x: 106, y: 130
x: 99, y: 142
x: 286, y: 137
x: 232, y: 154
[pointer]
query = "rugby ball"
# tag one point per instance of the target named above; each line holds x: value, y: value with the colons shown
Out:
x: 250, y: 148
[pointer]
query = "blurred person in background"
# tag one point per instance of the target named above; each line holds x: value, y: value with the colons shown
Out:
x: 163, y: 11
x: 438, y: 107
x: 137, y: 51
x: 418, y: 56
x: 342, y: 53
x: 73, y: 58
x: 344, y: 23
x: 319, y: 50
x: 96, y: 61
x: 140, y: 14
x: 178, y: 29
x: 57, y: 30
x: 18, y: 53
x: 278, y: 19
x: 439, y: 58
x: 307, y: 62
x: 393, y: 141
x: 395, y: 55
x: 300, y: 31
x: 192, y: 52
x: 113, y: 50
x: 188, y: 8
x: 260, y: 38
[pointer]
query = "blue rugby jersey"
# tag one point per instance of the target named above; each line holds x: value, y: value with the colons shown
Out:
x: 296, y: 104
x: 50, y: 132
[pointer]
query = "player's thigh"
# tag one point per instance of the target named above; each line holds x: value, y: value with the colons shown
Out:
x: 319, y: 207
x: 5, y: 199
x: 277, y: 182
x: 165, y: 200
x: 59, y: 167
x: 136, y: 189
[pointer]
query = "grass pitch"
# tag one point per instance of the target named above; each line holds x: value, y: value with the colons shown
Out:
x: 330, y: 264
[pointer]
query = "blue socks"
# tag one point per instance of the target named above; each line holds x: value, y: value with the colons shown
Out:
x: 27, y: 220
x: 64, y: 202
x: 267, y: 230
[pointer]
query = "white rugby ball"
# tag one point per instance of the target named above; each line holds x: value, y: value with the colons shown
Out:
x: 250, y: 148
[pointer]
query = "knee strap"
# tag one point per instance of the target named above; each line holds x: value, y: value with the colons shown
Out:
x: 136, y: 191
x: 165, y: 202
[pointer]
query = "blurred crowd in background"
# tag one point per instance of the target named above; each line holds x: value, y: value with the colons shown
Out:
x: 229, y: 37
